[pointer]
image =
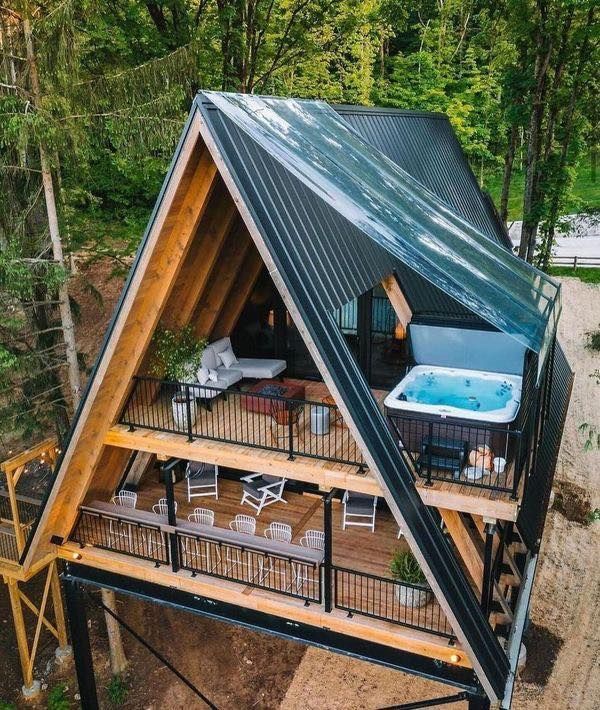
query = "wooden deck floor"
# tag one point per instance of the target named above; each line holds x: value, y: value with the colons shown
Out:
x: 357, y: 548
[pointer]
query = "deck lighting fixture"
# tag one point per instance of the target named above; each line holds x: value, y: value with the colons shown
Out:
x: 454, y: 658
x: 76, y: 555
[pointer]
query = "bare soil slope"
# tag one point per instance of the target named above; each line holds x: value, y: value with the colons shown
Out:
x: 563, y: 671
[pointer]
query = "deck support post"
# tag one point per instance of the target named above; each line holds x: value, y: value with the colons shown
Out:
x: 168, y: 475
x: 488, y: 569
x: 84, y: 665
x: 31, y: 687
x: 327, y: 552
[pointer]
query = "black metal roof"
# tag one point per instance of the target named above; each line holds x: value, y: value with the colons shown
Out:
x: 325, y: 261
x: 425, y: 146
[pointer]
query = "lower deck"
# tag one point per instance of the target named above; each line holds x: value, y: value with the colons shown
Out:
x: 365, y: 602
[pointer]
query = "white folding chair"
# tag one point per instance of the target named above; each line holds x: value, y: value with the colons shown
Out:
x: 281, y: 532
x: 194, y: 549
x: 202, y: 479
x: 315, y: 540
x: 359, y: 510
x: 261, y: 490
x: 245, y: 524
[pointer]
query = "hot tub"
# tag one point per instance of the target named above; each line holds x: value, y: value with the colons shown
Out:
x: 462, y: 394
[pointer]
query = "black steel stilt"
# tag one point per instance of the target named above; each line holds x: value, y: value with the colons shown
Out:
x: 478, y: 702
x: 82, y: 652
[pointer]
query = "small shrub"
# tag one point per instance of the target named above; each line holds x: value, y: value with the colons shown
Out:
x: 405, y: 568
x: 117, y: 691
x: 593, y: 340
x: 7, y: 706
x: 177, y: 353
x: 57, y: 698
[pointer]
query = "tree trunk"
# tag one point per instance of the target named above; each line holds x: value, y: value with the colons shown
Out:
x: 530, y: 195
x: 509, y: 160
x: 118, y: 659
x: 66, y: 315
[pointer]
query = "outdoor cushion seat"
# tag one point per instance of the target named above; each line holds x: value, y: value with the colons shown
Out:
x: 253, y: 368
x: 260, y: 369
x: 359, y: 504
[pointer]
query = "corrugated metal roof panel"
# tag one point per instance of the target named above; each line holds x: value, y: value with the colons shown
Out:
x: 309, y: 261
x: 425, y: 145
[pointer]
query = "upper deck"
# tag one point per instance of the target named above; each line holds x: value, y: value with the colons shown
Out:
x: 240, y: 431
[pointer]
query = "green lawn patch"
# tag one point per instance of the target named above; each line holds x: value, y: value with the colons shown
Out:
x: 588, y: 276
x: 585, y: 191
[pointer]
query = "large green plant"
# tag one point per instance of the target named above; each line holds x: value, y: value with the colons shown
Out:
x: 177, y: 353
x: 405, y: 568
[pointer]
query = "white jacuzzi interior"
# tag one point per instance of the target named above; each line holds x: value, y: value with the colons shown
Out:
x: 457, y: 392
x: 466, y: 366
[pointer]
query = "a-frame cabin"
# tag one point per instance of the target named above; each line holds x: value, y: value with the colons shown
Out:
x: 341, y: 262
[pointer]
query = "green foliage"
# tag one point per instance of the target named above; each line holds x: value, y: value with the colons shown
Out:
x: 177, y: 354
x: 593, y: 516
x: 592, y: 436
x: 7, y: 706
x: 117, y: 690
x: 405, y: 568
x: 57, y: 698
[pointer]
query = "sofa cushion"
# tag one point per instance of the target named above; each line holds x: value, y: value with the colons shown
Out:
x: 202, y: 375
x: 227, y: 358
x: 259, y: 368
x: 229, y: 377
x: 209, y: 359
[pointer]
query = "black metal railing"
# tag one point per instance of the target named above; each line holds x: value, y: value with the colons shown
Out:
x: 284, y: 575
x: 386, y: 599
x: 184, y: 550
x: 296, y: 427
x: 449, y: 450
x: 27, y: 508
x: 119, y: 533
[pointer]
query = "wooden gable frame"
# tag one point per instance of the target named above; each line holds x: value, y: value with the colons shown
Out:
x: 172, y: 276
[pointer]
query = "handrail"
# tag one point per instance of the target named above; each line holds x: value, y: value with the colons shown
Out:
x: 306, y: 428
x: 397, y: 602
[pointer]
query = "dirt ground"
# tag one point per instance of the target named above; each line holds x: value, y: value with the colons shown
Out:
x: 241, y: 669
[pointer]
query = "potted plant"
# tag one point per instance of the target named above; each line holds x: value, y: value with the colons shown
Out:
x: 405, y: 568
x: 177, y: 356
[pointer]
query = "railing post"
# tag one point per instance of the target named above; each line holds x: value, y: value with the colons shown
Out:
x: 519, y: 465
x: 169, y: 474
x: 188, y: 410
x: 327, y: 551
x: 288, y: 404
x: 429, y: 482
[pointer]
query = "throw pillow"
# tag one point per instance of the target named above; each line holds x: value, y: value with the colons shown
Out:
x: 213, y: 375
x: 227, y: 358
x: 202, y: 375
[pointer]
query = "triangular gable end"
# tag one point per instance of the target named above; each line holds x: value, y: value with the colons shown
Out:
x: 168, y: 249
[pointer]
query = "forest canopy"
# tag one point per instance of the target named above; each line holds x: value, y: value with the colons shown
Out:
x: 93, y: 96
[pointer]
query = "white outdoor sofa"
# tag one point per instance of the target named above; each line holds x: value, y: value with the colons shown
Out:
x: 252, y: 368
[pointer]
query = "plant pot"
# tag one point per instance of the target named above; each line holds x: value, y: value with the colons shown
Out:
x: 180, y: 410
x: 412, y: 596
